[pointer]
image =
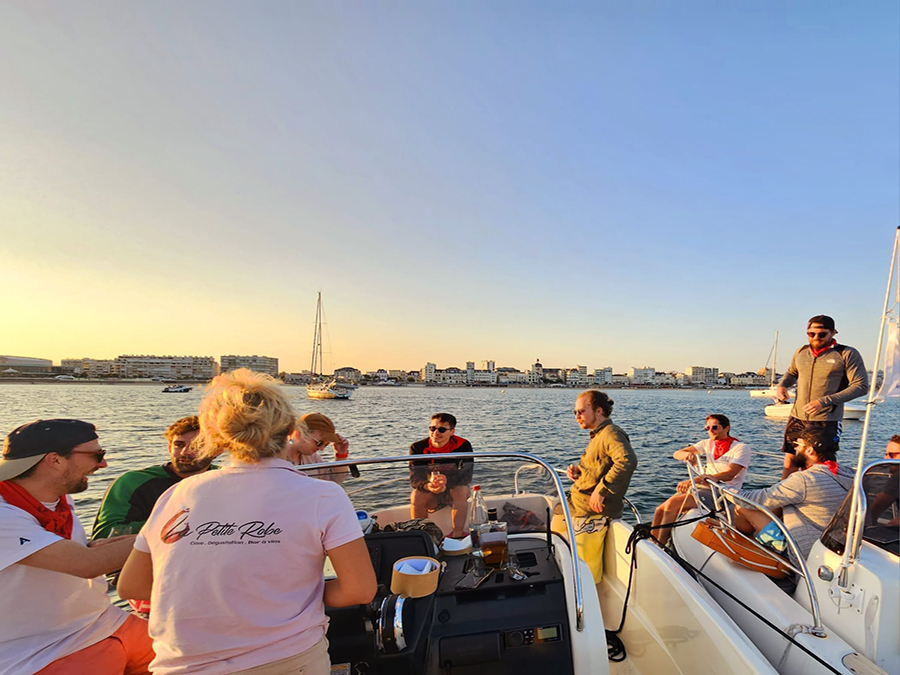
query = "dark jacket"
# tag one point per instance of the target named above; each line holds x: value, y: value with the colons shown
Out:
x: 458, y: 471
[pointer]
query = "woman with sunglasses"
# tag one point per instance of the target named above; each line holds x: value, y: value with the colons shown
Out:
x: 313, y: 433
x: 726, y: 460
x: 232, y: 560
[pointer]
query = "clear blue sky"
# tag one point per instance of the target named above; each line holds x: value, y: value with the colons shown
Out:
x: 625, y: 184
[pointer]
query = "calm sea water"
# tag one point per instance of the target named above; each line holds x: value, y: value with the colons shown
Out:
x: 382, y: 421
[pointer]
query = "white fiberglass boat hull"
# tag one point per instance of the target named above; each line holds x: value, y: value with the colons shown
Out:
x: 783, y: 411
x: 756, y: 590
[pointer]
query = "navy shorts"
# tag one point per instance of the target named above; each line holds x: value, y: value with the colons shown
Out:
x: 795, y: 427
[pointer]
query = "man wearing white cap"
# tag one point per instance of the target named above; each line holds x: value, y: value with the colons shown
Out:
x: 62, y: 621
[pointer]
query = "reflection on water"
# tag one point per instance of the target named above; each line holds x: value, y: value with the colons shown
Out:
x: 382, y: 421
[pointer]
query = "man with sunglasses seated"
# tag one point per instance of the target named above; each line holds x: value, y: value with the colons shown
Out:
x: 827, y: 375
x: 440, y: 480
x: 725, y: 460
x: 57, y: 617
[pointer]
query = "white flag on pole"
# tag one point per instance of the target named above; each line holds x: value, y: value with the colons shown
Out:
x: 890, y: 386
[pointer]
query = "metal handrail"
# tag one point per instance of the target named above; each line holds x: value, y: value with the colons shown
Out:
x: 818, y: 630
x: 560, y: 472
x: 576, y: 573
x: 857, y: 517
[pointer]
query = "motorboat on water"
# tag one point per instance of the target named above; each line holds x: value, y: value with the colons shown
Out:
x: 547, y: 615
x: 320, y: 386
x: 177, y: 389
x: 779, y: 410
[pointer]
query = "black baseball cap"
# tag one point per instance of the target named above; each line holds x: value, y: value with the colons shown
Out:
x: 823, y: 320
x: 26, y: 446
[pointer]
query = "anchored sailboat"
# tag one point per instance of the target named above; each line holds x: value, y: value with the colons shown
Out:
x: 320, y: 385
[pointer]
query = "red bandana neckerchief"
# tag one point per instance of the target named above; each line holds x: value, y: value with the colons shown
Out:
x: 450, y: 446
x: 818, y: 352
x: 59, y: 520
x: 832, y: 466
x: 721, y: 447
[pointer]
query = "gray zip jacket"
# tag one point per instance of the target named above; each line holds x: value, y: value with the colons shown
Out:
x: 834, y: 377
x: 809, y: 499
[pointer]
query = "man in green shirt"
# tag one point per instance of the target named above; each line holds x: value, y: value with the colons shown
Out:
x: 600, y: 478
x: 130, y: 499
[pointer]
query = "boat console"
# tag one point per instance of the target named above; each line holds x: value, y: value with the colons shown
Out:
x: 501, y: 626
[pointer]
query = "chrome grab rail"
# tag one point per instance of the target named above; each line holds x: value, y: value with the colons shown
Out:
x: 576, y: 573
x: 857, y: 519
x: 817, y: 630
x: 560, y: 472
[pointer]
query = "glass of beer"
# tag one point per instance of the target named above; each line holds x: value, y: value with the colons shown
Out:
x: 494, y: 544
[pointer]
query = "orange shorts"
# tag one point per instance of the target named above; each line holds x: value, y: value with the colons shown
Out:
x: 128, y: 651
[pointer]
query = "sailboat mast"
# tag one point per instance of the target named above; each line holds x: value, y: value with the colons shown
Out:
x: 774, y: 362
x: 317, y: 339
x: 856, y: 522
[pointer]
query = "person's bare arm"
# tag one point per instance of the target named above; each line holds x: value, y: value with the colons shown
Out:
x: 722, y: 476
x: 136, y: 580
x: 87, y: 562
x: 355, y: 583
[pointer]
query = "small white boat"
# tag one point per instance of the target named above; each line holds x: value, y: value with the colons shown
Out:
x: 177, y: 389
x: 322, y: 387
x: 330, y: 389
x: 763, y: 393
x: 852, y: 411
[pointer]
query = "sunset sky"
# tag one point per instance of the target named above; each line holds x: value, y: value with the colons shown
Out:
x: 597, y: 183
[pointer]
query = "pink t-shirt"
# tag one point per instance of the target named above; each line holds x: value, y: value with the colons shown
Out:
x: 238, y: 556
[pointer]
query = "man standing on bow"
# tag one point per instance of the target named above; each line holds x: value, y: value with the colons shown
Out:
x: 57, y: 618
x: 601, y: 478
x: 827, y: 375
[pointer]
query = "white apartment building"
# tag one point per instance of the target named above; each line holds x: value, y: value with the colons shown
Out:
x: 259, y: 364
x: 488, y: 365
x: 577, y: 377
x: 428, y: 374
x: 511, y: 376
x: 175, y: 367
x: 664, y: 379
x: 702, y: 375
x: 620, y: 379
x: 603, y: 376
x: 90, y: 367
x: 350, y: 374
x: 749, y: 380
x: 643, y: 375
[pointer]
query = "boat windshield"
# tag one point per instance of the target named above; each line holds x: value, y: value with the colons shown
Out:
x: 880, y: 485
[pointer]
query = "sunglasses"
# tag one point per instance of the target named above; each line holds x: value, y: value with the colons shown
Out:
x: 98, y: 455
x: 712, y: 427
x: 440, y: 430
x: 818, y: 334
x: 319, y: 444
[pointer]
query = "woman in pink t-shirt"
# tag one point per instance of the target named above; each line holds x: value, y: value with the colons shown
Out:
x: 232, y: 560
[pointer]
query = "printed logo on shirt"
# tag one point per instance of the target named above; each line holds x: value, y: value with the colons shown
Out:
x: 23, y: 541
x: 176, y: 528
x: 216, y: 533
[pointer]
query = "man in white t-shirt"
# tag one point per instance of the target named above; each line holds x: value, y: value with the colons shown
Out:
x: 57, y: 618
x: 721, y: 457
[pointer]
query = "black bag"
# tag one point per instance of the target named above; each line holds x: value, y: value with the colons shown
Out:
x: 520, y: 520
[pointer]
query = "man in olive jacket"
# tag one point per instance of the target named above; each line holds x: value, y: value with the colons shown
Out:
x: 601, y: 477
